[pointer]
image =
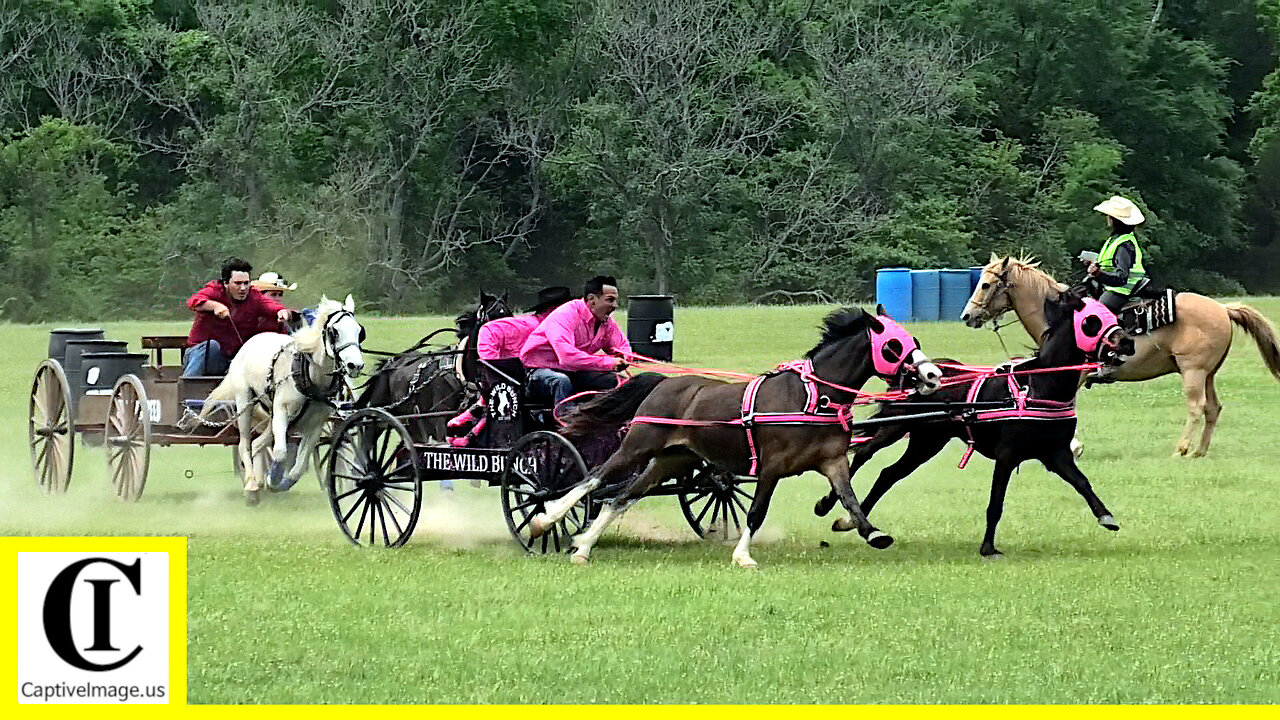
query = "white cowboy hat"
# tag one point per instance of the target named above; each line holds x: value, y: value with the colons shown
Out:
x: 1122, y: 210
x: 272, y: 281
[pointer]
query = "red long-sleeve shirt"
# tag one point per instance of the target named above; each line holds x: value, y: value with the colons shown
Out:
x: 255, y: 315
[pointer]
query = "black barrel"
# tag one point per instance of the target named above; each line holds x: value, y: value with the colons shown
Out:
x: 651, y: 325
x: 100, y: 370
x: 72, y: 362
x: 58, y: 340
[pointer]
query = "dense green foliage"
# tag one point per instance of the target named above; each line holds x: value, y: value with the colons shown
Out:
x: 1179, y: 606
x: 412, y: 151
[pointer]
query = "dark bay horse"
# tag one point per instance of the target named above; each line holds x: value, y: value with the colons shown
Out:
x: 1010, y: 442
x: 680, y: 420
x: 418, y: 383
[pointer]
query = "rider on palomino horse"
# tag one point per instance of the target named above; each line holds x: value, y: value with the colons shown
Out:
x: 1118, y: 269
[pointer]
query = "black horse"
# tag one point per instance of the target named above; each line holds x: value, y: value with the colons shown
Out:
x: 1010, y: 442
x: 422, y: 383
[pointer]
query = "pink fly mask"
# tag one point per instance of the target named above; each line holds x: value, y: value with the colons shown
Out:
x: 891, y: 347
x: 1093, y: 324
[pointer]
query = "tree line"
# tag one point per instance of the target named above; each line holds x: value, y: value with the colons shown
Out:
x: 413, y: 152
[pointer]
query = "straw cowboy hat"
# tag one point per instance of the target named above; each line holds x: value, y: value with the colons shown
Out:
x: 1122, y: 210
x: 551, y: 297
x: 272, y: 281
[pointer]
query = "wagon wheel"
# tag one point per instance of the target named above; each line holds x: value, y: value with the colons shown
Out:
x: 127, y: 437
x: 50, y: 428
x: 372, y: 479
x: 713, y: 502
x: 541, y: 467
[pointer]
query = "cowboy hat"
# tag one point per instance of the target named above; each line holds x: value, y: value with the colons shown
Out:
x: 272, y: 281
x: 1122, y: 210
x: 551, y: 297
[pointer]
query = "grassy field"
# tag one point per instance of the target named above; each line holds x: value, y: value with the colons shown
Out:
x: 1180, y: 606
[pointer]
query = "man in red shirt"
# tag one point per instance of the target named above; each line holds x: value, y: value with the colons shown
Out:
x: 228, y: 312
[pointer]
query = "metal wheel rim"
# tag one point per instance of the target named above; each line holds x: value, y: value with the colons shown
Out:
x: 373, y: 483
x: 523, y: 497
x: 50, y: 428
x: 714, y: 503
x: 127, y: 438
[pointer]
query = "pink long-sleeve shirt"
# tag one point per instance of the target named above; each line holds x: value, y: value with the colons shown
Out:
x: 570, y: 338
x: 503, y: 338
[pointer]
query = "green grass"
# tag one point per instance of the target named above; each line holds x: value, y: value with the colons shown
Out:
x: 1179, y: 606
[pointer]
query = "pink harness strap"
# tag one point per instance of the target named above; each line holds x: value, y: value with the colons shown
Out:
x: 1023, y: 407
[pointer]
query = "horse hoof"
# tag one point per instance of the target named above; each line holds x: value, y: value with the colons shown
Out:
x: 538, y: 526
x: 1108, y: 522
x: 580, y: 560
x: 879, y: 540
x: 823, y: 506
x: 252, y: 497
x: 989, y: 552
x: 1077, y: 448
x: 841, y: 525
x: 746, y: 563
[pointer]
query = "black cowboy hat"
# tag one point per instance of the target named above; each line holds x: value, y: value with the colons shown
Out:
x: 551, y: 297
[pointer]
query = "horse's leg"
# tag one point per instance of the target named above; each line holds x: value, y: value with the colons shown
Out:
x: 1064, y: 464
x: 659, y: 469
x: 922, y: 446
x: 1212, y: 409
x: 280, y: 448
x: 837, y: 472
x: 1193, y: 386
x: 884, y: 437
x: 995, y: 506
x: 639, y: 446
x: 309, y: 426
x: 765, y: 485
x: 244, y: 423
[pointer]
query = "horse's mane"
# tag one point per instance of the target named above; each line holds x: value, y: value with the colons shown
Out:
x: 1025, y: 269
x: 310, y: 337
x: 840, y: 325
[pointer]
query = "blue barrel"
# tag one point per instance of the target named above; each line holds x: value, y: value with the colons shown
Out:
x: 926, y: 296
x: 975, y: 277
x: 893, y: 291
x: 954, y: 285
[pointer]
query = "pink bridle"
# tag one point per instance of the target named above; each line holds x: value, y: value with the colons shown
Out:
x: 886, y: 356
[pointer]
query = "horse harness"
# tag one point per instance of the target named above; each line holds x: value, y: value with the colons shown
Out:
x: 300, y: 371
x: 891, y: 348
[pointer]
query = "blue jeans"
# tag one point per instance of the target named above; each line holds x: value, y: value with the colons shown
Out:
x: 205, y: 358
x: 547, y: 384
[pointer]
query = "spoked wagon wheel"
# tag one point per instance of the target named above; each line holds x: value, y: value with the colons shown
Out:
x: 127, y: 437
x: 372, y: 479
x: 714, y: 503
x: 50, y: 428
x: 541, y: 467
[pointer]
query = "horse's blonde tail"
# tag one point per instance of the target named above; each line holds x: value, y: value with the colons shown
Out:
x: 1263, y: 332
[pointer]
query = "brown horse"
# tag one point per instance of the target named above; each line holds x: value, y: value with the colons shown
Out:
x: 704, y: 420
x: 1195, y: 345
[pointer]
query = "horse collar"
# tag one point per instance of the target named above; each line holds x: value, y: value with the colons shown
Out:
x: 302, y: 380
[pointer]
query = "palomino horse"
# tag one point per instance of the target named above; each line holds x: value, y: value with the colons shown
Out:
x: 295, y: 379
x: 678, y: 421
x: 1012, y: 416
x: 1195, y: 345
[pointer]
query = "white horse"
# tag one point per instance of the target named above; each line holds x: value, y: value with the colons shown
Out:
x: 293, y: 379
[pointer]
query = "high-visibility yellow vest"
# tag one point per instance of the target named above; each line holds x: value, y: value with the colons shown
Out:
x: 1106, y: 261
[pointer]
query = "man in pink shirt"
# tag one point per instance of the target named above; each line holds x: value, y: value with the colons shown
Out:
x: 503, y: 338
x: 578, y: 347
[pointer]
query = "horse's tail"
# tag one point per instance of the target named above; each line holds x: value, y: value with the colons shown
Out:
x: 1263, y: 332
x: 613, y: 408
